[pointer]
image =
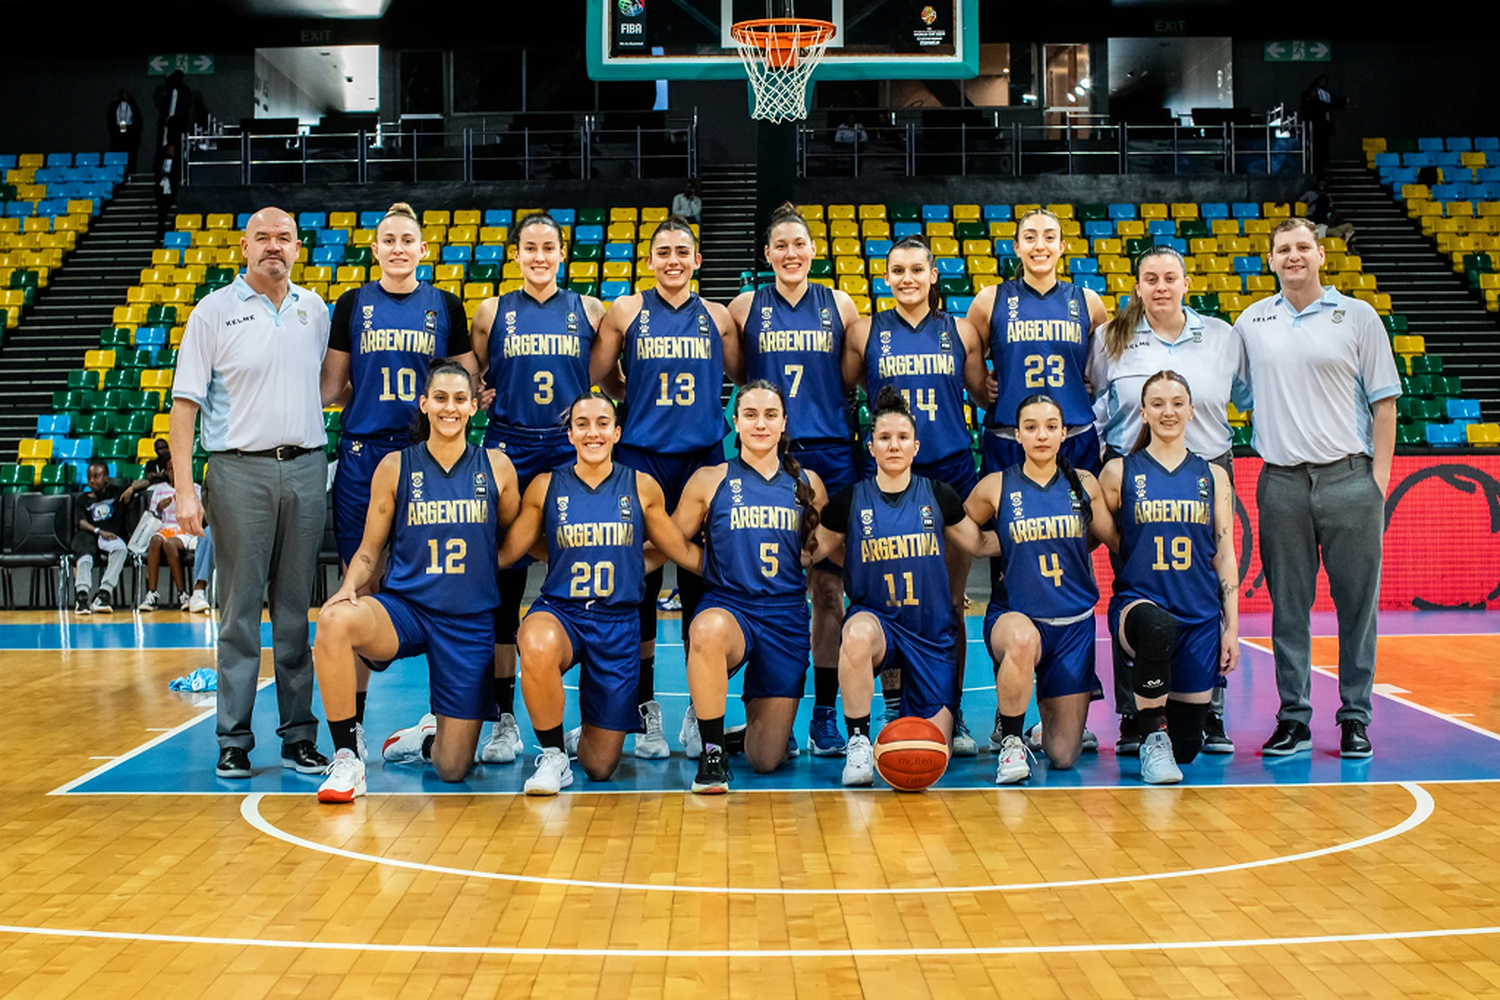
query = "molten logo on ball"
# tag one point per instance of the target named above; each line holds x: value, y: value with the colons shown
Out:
x: 911, y: 754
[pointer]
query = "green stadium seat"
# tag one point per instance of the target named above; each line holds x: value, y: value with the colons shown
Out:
x: 1137, y: 245
x: 144, y: 357
x: 1426, y: 364
x: 80, y: 378
x: 162, y: 315
x: 1447, y: 385
x: 583, y: 251
x: 1242, y: 436
x: 92, y: 424
x: 122, y: 378
x: 971, y: 231
x: 130, y: 470
x: 56, y: 478
x: 584, y: 287
x: 219, y: 275
x: 114, y: 339
x: 1394, y: 323
x: 1411, y: 433
x: 821, y: 268
x: 1416, y: 385
x: 333, y: 421
x: 116, y: 449
x: 1010, y: 267
x: 1428, y: 410
x: 1204, y: 303
x: 130, y: 425
x: 954, y: 285
x: 359, y: 256
x: 17, y: 478
x: 592, y: 217
x: 1193, y: 229
x: 78, y: 400
x: 490, y: 272
x: 905, y: 212
x: 1092, y: 212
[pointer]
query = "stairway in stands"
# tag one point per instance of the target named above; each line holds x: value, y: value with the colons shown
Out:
x: 1421, y: 282
x: 79, y: 299
x: 729, y: 237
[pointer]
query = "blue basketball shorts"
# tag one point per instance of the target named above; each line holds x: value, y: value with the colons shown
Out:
x: 458, y: 648
x: 1066, y: 665
x: 358, y: 458
x: 1195, y: 657
x: 778, y: 645
x: 929, y: 676
x: 606, y: 648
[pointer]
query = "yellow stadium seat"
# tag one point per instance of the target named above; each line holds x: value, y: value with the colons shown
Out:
x: 1119, y: 282
x: 978, y: 248
x: 1260, y: 283
x: 945, y: 246
x: 1184, y: 210
x: 843, y: 229
x: 811, y: 212
x: 31, y: 160
x: 1225, y: 227
x: 817, y: 229
x: 1154, y: 210
x: 463, y: 235
x: 1203, y: 245
x: 1212, y: 264
x: 657, y: 214
x: 436, y: 217
x: 455, y: 287
x: 1408, y: 344
x: 145, y: 450
x: 1460, y: 209
x: 1106, y: 245
x: 1223, y: 282
x: 1364, y: 282
x: 879, y: 229
x: 861, y: 304
x: 583, y: 270
x: 935, y: 229
x: 1003, y: 230
x: 1259, y: 227
x: 37, y: 224
x: 983, y: 281
x: 448, y: 272
x: 849, y: 265
x: 161, y: 424
x: 188, y: 222
x: 885, y: 302
x: 35, y: 449
x: 157, y: 378
x: 1483, y: 435
x: 350, y: 274
x: 617, y: 269
x: 1197, y: 283
x: 1114, y: 264
x: 99, y: 360
x: 820, y: 248
x: 841, y: 212
x: 471, y: 308
x: 1475, y: 159
x: 321, y: 273
x: 622, y: 232
x: 981, y: 265
x: 871, y: 212
x: 1237, y: 245
x: 967, y: 213
x: 1130, y: 228
x: 623, y: 214
x: 178, y: 295
x: 644, y: 282
x: 847, y: 247
x: 436, y: 235
x: 468, y: 217
x: 854, y: 284
x: 149, y: 294
x: 1274, y: 210
x: 1076, y: 247
x: 1061, y: 211
x: 492, y: 235
x: 479, y: 290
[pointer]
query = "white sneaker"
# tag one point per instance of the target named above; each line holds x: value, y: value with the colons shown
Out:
x: 346, y: 778
x: 184, y: 601
x: 1014, y: 765
x: 361, y: 747
x: 688, y: 736
x: 859, y: 762
x: 1158, y: 763
x: 198, y: 604
x: 504, y: 742
x: 404, y: 746
x: 552, y: 773
x: 151, y: 603
x: 570, y: 741
x: 652, y: 744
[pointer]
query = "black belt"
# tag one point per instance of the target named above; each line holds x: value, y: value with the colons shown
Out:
x: 284, y: 453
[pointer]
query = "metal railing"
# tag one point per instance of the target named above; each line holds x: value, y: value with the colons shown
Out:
x: 904, y: 145
x: 477, y: 153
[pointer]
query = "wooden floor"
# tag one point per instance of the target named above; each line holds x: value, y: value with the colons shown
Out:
x: 951, y: 894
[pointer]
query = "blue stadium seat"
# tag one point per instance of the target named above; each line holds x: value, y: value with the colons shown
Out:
x: 1214, y: 210
x: 876, y: 249
x: 1430, y: 144
x: 457, y: 254
x: 177, y: 241
x: 1247, y: 265
x: 564, y: 216
x: 8, y: 161
x: 1488, y: 175
x: 18, y: 210
x: 1096, y: 230
x: 81, y: 473
x: 1417, y: 159
x: 242, y: 220
x: 312, y: 220
x: 1161, y: 227
x: 54, y: 423
x: 327, y: 256
x: 1083, y: 265
x: 489, y: 254
x: 619, y: 251
x: 1487, y: 144
x: 1446, y: 435
x: 86, y: 160
x: 880, y: 288
x: 613, y: 289
x: 934, y: 213
x: 1447, y: 192
x: 1175, y: 242
x: 997, y: 213
x: 1120, y: 210
x: 1464, y: 411
x: 1246, y: 210
x: 949, y: 267
x: 1093, y: 282
x: 500, y: 217
x: 957, y: 305
x: 902, y: 230
x: 424, y: 272
x: 52, y: 206
x: 1447, y: 159
x: 1458, y: 143
x: 1387, y: 160
x: 333, y: 237
x: 115, y: 159
x: 369, y: 220
x: 73, y: 449
x: 59, y: 159
x: 151, y: 336
x: 582, y: 234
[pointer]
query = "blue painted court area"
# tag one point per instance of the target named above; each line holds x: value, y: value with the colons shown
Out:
x: 1411, y: 744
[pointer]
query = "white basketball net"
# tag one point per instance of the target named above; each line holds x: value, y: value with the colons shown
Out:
x: 780, y: 60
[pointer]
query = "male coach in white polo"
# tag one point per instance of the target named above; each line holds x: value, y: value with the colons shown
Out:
x: 250, y: 362
x: 1325, y: 386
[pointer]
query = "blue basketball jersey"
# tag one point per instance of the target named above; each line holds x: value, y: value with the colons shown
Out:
x: 1040, y: 344
x: 753, y: 535
x: 1044, y: 549
x: 393, y: 337
x: 926, y: 365
x: 797, y: 348
x: 1167, y: 542
x: 539, y: 357
x: 674, y: 374
x: 594, y: 540
x: 444, y: 535
x: 893, y: 558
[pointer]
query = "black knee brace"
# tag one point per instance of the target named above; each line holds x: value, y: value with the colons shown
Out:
x: 1185, y: 727
x: 645, y: 612
x: 1152, y: 632
x: 508, y: 614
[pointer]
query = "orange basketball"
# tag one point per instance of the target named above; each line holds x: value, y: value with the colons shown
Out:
x: 911, y: 754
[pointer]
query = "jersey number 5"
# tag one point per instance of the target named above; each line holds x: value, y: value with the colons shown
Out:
x: 1043, y: 370
x: 770, y: 560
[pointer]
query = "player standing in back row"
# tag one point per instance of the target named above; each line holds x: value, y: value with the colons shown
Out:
x: 793, y: 335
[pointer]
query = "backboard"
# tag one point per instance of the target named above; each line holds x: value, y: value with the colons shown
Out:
x: 689, y: 39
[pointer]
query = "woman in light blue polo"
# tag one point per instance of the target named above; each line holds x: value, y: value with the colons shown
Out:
x: 1154, y: 332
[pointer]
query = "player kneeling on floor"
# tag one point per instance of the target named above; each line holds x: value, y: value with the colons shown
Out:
x: 441, y: 503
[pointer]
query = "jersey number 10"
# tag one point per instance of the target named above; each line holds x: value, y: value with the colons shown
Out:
x: 406, y: 385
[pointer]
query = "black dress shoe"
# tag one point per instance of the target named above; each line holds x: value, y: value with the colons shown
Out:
x: 1290, y: 737
x: 303, y: 757
x: 1129, y: 743
x: 1355, y: 743
x: 234, y: 762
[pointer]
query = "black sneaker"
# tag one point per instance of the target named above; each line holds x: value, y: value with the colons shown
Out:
x: 1129, y: 743
x: 234, y: 762
x: 1290, y: 737
x: 1355, y: 743
x: 713, y: 773
x: 1215, y: 740
x: 303, y: 757
x: 81, y: 602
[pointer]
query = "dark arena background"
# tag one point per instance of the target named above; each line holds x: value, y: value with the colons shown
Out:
x: 137, y: 147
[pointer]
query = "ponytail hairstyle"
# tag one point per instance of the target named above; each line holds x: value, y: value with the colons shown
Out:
x: 789, y: 465
x: 421, y: 427
x: 787, y: 212
x: 537, y: 219
x: 1119, y: 330
x: 593, y: 392
x: 1070, y: 475
x: 889, y: 400
x: 919, y: 242
x: 1165, y: 375
x: 675, y: 224
x: 400, y: 210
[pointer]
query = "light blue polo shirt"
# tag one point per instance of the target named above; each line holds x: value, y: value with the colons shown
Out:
x: 253, y: 368
x: 1206, y: 353
x: 1314, y: 375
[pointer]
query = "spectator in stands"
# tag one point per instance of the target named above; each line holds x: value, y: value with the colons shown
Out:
x: 100, y: 514
x: 170, y: 541
x: 174, y: 108
x: 688, y: 204
x: 1320, y: 211
x: 166, y: 189
x: 250, y: 363
x: 203, y: 574
x: 124, y: 125
x: 1318, y: 105
x: 851, y: 134
x: 159, y: 469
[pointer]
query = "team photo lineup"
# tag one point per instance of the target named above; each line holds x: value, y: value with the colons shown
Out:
x: 603, y: 458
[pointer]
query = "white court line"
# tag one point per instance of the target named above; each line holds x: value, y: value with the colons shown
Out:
x: 162, y: 738
x: 1050, y: 949
x: 250, y: 810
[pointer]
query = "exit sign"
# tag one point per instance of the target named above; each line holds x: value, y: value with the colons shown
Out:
x: 1299, y: 50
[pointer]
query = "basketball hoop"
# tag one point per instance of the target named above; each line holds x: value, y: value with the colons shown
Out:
x: 780, y: 54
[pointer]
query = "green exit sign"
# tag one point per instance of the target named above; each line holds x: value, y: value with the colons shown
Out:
x: 1299, y: 50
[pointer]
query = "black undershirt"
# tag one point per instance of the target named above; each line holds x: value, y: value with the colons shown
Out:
x: 343, y: 313
x: 835, y: 516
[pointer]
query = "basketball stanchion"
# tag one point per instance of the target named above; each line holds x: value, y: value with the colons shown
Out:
x: 780, y: 55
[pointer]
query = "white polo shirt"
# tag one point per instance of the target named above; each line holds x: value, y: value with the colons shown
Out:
x: 1207, y: 353
x: 1314, y: 375
x: 254, y: 369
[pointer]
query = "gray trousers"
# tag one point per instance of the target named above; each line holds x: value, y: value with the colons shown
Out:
x: 114, y: 565
x: 267, y: 520
x: 1124, y: 676
x: 1335, y: 511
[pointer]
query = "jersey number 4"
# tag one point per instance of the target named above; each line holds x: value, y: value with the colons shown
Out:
x: 1053, y: 572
